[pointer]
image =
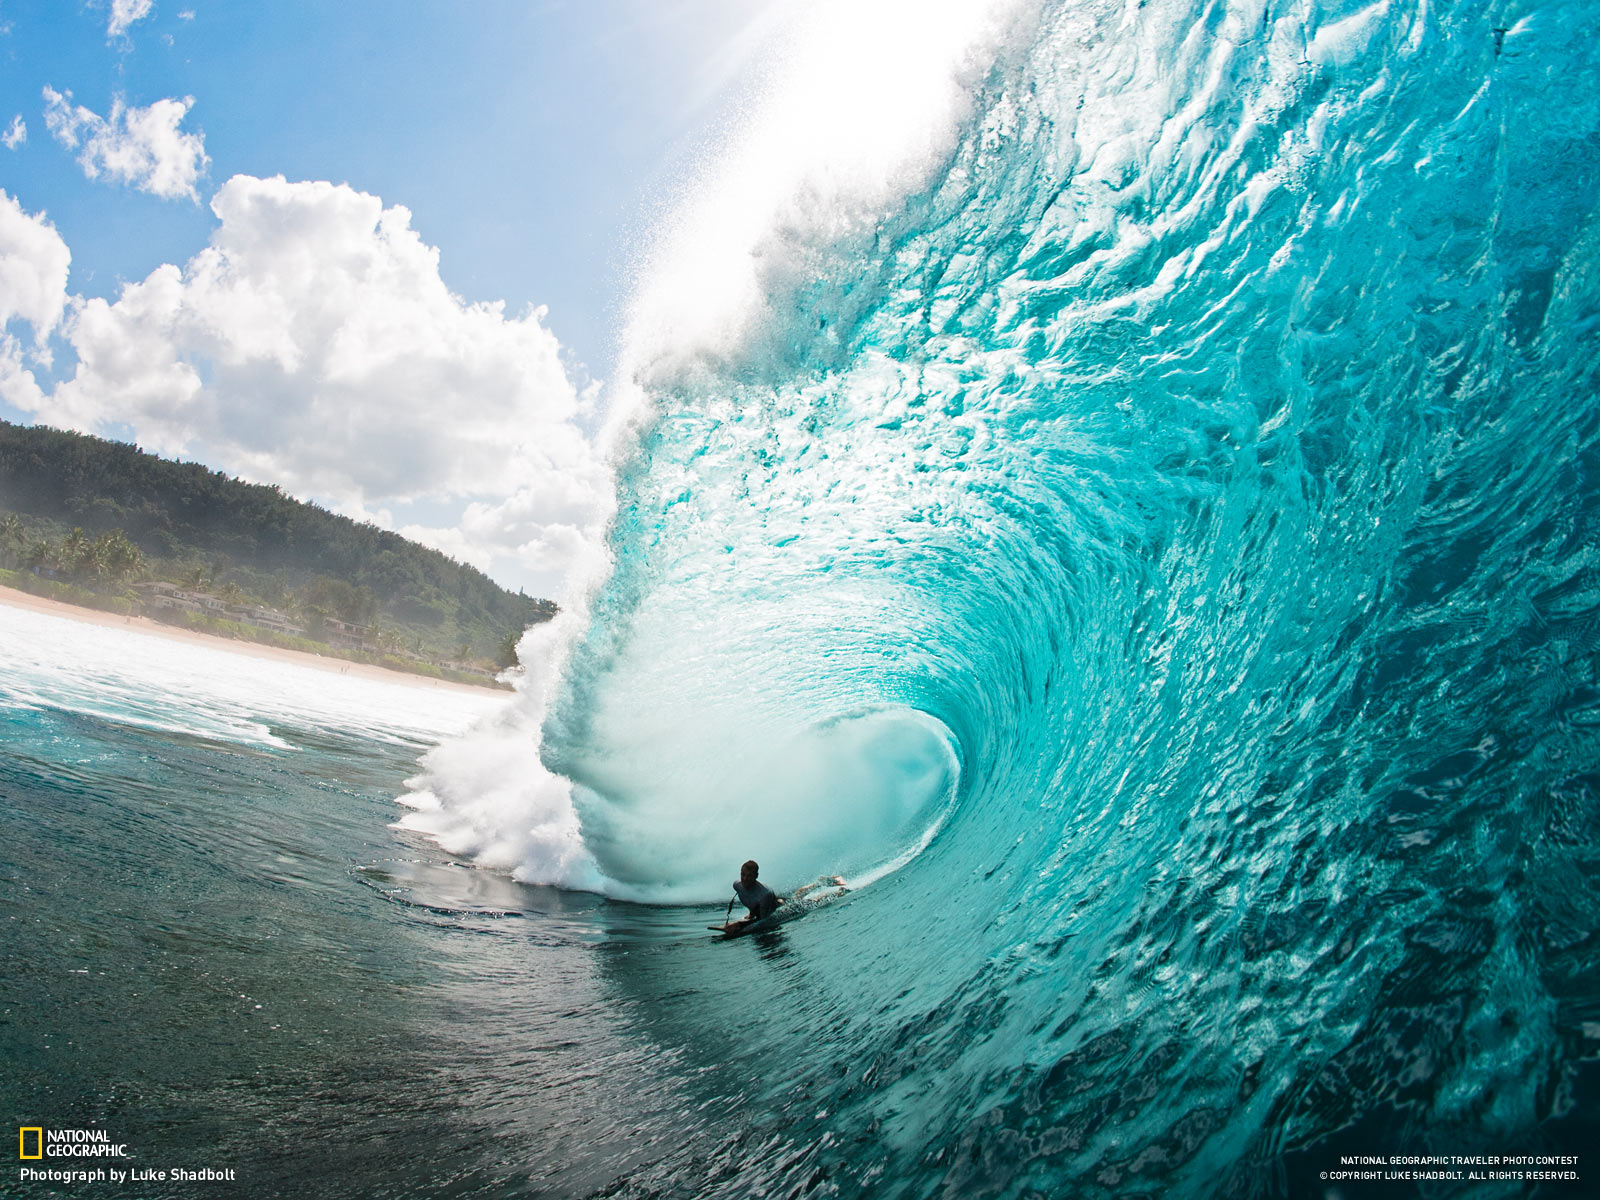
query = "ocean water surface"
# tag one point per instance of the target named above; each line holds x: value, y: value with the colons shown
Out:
x: 218, y: 951
x: 1116, y: 481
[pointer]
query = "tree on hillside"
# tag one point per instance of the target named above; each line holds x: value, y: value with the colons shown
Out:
x: 112, y: 556
x: 506, y: 652
x: 14, y: 536
x: 198, y: 526
x: 73, y: 556
x: 340, y: 598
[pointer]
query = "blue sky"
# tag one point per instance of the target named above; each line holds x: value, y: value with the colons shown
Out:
x: 532, y: 146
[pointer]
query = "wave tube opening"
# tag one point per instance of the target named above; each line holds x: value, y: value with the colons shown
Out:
x: 854, y: 796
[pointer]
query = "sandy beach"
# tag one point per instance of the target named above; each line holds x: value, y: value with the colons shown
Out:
x: 339, y: 666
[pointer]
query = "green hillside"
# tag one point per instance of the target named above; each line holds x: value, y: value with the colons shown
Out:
x: 83, y: 514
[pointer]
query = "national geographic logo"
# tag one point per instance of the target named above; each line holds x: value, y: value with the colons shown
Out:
x: 37, y: 1142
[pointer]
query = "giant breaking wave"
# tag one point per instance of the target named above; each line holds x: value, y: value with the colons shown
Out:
x: 1130, y: 467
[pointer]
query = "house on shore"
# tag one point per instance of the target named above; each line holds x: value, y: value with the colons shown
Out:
x: 162, y: 599
x: 348, y: 634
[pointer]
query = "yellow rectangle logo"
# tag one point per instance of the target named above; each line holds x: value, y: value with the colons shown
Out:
x: 38, y: 1141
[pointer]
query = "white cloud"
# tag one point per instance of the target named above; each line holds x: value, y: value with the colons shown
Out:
x: 124, y: 13
x: 33, y: 290
x: 544, y: 531
x: 139, y: 146
x: 313, y: 344
x: 449, y: 539
x: 16, y: 135
x: 33, y: 270
x: 17, y: 384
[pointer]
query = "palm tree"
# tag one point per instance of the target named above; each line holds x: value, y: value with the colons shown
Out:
x: 15, y: 536
x: 115, y: 556
x: 506, y: 652
x: 313, y: 618
x: 75, y: 555
x: 39, y: 553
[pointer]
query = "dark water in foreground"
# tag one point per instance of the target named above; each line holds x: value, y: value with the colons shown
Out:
x: 223, y: 957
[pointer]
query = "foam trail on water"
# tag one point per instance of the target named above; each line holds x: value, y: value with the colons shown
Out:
x: 130, y: 676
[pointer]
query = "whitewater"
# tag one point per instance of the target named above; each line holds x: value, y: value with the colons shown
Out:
x: 1116, y: 481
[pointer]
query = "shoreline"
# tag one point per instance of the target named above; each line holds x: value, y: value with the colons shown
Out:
x: 13, y: 598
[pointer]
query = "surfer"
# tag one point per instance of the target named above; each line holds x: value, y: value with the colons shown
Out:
x: 762, y: 901
x: 756, y: 896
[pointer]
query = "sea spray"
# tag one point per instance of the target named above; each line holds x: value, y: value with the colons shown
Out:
x: 486, y: 796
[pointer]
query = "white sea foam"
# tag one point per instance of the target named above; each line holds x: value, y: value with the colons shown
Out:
x: 486, y: 796
x: 145, y: 679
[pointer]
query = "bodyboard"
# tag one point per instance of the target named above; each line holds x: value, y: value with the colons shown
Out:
x: 771, y: 922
